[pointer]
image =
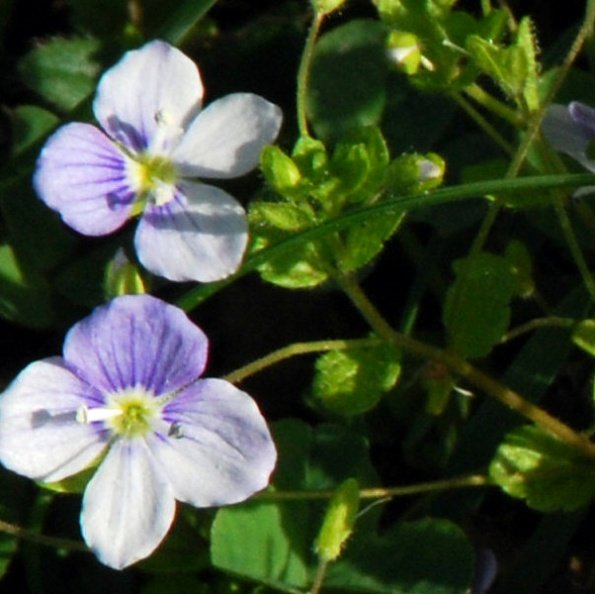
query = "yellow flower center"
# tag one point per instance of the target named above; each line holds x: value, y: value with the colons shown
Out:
x: 129, y: 413
x: 153, y: 178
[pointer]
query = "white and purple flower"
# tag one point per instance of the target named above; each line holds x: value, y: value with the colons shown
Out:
x: 570, y: 129
x: 155, y: 144
x: 126, y: 393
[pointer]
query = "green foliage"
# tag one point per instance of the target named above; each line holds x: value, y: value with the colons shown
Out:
x: 477, y: 308
x: 338, y: 522
x: 348, y: 81
x: 122, y: 277
x: 324, y: 7
x: 514, y: 67
x: 271, y: 541
x: 62, y: 71
x: 444, y: 33
x: 583, y: 336
x: 352, y: 382
x: 30, y: 123
x: 544, y: 471
x: 429, y: 556
x: 313, y: 189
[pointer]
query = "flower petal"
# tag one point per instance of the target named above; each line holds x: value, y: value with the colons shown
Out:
x: 200, y: 235
x: 82, y: 174
x: 226, y: 139
x: 218, y: 449
x: 128, y: 505
x: 39, y: 435
x: 567, y: 135
x: 150, y: 88
x: 137, y: 341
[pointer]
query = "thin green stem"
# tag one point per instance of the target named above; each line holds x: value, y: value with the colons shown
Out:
x: 483, y: 123
x: 532, y: 131
x: 583, y: 34
x: 48, y: 541
x: 494, y: 105
x: 319, y: 577
x: 463, y: 482
x: 462, y: 368
x: 304, y: 74
x: 188, y: 301
x: 575, y: 248
x: 293, y: 350
x: 536, y: 324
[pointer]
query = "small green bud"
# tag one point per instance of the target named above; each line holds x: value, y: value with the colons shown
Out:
x: 279, y: 170
x: 122, y: 277
x: 324, y: 7
x: 404, y: 52
x: 338, y: 521
x: 415, y: 173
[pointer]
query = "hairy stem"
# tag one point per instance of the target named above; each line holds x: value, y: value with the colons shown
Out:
x: 295, y: 349
x: 464, y: 369
x: 304, y: 74
x: 462, y: 482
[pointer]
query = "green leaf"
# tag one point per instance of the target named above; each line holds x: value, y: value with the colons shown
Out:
x: 24, y: 295
x: 365, y: 241
x: 279, y: 170
x: 359, y: 162
x: 283, y: 216
x: 527, y: 42
x: 271, y: 541
x: 429, y: 556
x: 302, y: 268
x: 583, y: 336
x: 324, y: 7
x: 30, y: 123
x: 264, y: 541
x: 180, y: 20
x: 62, y: 71
x: 520, y: 258
x: 477, y: 309
x: 351, y: 382
x: 546, y: 472
x: 348, y: 80
x: 338, y: 522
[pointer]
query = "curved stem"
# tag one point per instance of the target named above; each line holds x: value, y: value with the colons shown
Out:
x: 575, y: 248
x: 533, y: 131
x: 463, y: 482
x: 492, y: 104
x: 471, y: 374
x: 391, y: 205
x: 304, y: 74
x: 48, y: 541
x: 319, y: 577
x: 478, y: 118
x: 292, y: 350
x: 549, y: 322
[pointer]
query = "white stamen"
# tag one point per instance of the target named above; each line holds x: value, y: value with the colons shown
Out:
x: 86, y: 415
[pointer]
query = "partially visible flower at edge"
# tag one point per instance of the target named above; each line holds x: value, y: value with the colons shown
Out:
x: 571, y: 130
x: 126, y: 392
x: 154, y: 145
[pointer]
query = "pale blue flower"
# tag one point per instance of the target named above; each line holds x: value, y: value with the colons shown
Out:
x: 571, y: 130
x: 126, y: 392
x: 155, y: 145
